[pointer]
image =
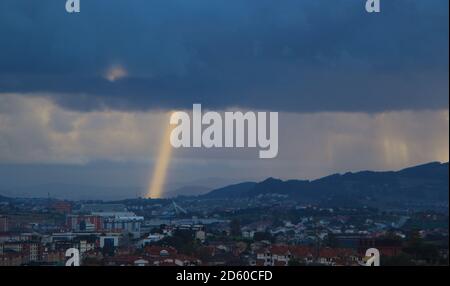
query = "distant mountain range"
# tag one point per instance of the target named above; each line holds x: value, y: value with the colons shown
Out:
x: 423, y: 184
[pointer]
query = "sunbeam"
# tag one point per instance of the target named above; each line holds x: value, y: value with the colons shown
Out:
x: 156, y: 188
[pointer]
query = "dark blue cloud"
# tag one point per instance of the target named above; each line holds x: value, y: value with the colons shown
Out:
x: 310, y: 55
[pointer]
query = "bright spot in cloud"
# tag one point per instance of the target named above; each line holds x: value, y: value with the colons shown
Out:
x: 115, y: 72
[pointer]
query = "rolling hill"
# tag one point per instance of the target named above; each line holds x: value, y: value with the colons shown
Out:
x: 423, y: 184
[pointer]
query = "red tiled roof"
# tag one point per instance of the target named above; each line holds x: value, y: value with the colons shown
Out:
x: 12, y: 255
x: 279, y: 250
x: 280, y: 263
x: 301, y: 251
x: 259, y: 262
x: 167, y: 263
x: 306, y: 251
x: 335, y: 252
x: 154, y: 250
x: 123, y: 259
x: 184, y: 257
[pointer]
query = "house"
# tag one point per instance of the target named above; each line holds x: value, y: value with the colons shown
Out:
x: 280, y: 255
x: 141, y: 262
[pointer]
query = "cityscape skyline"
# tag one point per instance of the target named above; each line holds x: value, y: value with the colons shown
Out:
x: 224, y: 133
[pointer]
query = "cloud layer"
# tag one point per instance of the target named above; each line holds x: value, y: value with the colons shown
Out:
x: 35, y: 130
x: 312, y: 55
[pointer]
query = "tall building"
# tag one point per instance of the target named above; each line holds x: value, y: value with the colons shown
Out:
x: 112, y: 217
x: 62, y: 207
x: 84, y: 223
x: 4, y: 226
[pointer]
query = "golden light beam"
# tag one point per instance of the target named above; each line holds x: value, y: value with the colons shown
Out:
x: 156, y: 188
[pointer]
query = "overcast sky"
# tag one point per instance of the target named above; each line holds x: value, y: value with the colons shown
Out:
x: 354, y: 90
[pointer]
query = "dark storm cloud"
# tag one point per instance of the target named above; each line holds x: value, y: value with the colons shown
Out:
x: 309, y: 55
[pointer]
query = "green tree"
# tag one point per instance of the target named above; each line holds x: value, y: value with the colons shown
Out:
x: 182, y: 240
x: 399, y: 260
x: 331, y: 240
x: 296, y: 262
x: 235, y: 227
x: 259, y: 236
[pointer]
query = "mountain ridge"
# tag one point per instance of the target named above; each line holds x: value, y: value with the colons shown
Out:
x: 420, y: 184
x: 425, y: 183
